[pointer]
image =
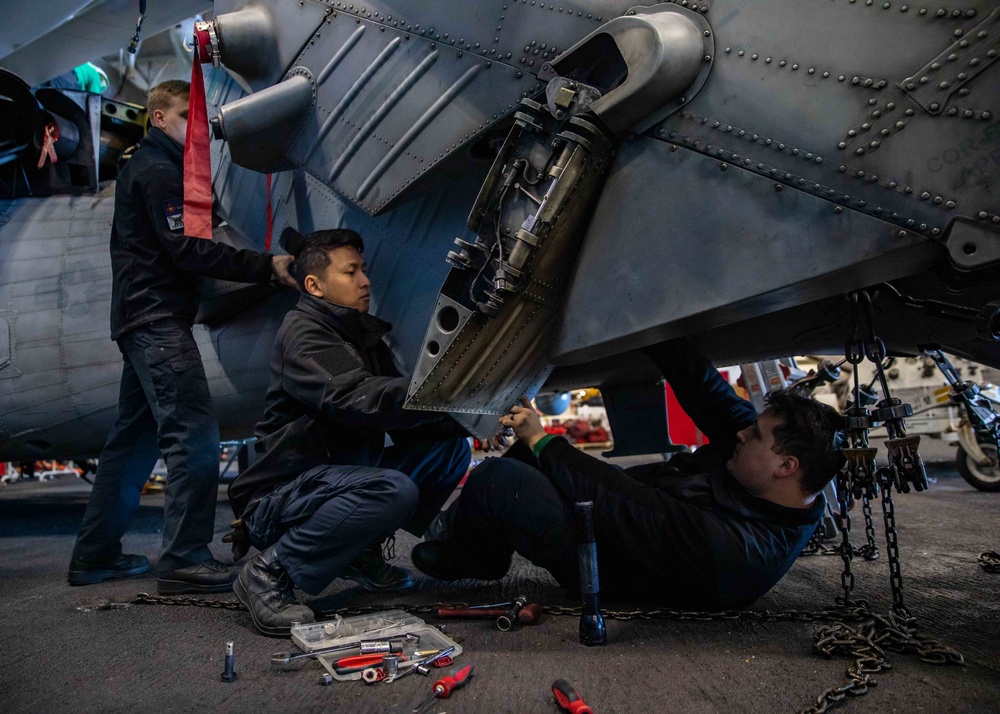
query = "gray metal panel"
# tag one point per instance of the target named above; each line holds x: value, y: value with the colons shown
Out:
x: 697, y: 239
x: 391, y: 105
x: 264, y: 53
x: 506, y: 30
x: 405, y: 247
x: 65, y: 370
x: 790, y: 100
x: 101, y: 30
x: 69, y: 369
x: 22, y: 28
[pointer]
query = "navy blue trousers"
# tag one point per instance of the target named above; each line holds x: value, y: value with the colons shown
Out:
x: 326, y: 517
x: 164, y: 408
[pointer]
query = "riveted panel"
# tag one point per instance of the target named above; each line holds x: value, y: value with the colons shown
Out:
x: 390, y: 105
x: 840, y: 107
x: 681, y: 252
x: 503, y: 30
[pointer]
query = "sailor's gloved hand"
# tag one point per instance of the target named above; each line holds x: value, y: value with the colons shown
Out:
x: 239, y: 538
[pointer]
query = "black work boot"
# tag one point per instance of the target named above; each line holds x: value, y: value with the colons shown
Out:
x: 209, y: 576
x: 265, y: 589
x: 88, y: 572
x: 372, y: 570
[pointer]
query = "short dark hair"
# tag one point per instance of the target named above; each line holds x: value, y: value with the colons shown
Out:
x: 812, y: 432
x: 312, y: 252
x: 163, y: 94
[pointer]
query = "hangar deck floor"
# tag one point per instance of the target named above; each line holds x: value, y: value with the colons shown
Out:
x: 63, y: 656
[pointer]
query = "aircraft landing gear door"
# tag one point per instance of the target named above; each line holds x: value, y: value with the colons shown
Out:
x: 488, y: 339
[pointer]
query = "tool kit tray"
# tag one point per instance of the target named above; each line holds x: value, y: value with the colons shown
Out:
x: 387, y: 625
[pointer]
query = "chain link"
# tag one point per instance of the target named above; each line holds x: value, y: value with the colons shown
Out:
x: 892, y: 545
x: 866, y: 642
x: 990, y: 560
x: 869, y: 551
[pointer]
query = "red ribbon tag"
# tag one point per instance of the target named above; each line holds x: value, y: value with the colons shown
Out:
x: 51, y: 136
x: 197, y: 160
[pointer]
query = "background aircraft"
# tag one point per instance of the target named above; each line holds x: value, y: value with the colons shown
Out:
x: 749, y: 164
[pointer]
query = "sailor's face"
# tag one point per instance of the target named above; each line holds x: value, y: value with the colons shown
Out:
x: 173, y: 120
x: 344, y: 281
x: 754, y: 459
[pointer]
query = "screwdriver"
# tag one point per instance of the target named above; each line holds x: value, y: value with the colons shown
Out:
x: 567, y: 698
x: 444, y: 687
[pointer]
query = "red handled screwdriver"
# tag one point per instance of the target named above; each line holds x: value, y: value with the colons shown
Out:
x: 445, y: 686
x: 567, y: 698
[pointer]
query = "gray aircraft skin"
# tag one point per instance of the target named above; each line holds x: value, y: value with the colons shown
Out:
x: 725, y: 170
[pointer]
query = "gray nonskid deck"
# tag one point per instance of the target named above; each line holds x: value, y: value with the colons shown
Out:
x: 63, y: 655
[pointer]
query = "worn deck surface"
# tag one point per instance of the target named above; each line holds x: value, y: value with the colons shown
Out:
x: 60, y: 655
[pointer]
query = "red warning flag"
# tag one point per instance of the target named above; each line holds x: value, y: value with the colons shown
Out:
x: 197, y: 160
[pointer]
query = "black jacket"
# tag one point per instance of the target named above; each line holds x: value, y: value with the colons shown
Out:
x: 334, y: 394
x: 155, y: 267
x: 690, y: 535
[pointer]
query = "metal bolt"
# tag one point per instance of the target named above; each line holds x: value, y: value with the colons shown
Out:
x: 229, y: 673
x: 326, y: 679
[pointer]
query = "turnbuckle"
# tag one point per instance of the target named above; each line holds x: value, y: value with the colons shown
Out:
x: 905, y: 463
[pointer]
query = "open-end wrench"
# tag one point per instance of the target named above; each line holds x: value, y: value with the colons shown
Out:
x: 366, y: 647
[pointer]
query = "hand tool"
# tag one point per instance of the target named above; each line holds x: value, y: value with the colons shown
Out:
x: 530, y: 614
x: 506, y: 620
x: 592, y: 631
x: 567, y: 698
x: 358, y: 663
x: 229, y: 673
x: 424, y: 667
x: 366, y: 647
x: 444, y: 687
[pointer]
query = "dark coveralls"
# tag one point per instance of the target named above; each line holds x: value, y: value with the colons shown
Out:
x: 683, y: 533
x: 164, y: 405
x: 326, y: 486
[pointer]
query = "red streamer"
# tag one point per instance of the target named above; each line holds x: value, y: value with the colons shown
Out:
x: 197, y: 160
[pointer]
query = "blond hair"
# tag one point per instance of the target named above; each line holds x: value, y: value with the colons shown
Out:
x: 162, y: 95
